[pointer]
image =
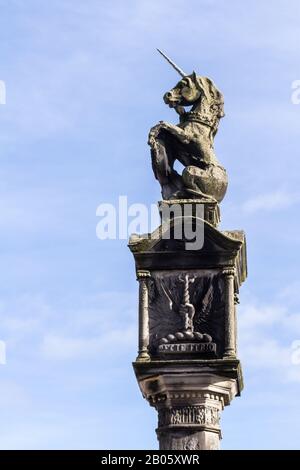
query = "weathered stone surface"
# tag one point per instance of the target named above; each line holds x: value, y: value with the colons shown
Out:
x: 211, y: 181
x: 190, y: 142
x: 220, y: 249
x: 166, y: 302
x: 206, y: 209
x: 187, y: 345
x: 189, y: 275
x: 189, y: 400
x: 190, y: 414
x: 189, y: 440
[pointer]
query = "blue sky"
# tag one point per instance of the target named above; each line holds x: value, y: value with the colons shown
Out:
x: 84, y: 85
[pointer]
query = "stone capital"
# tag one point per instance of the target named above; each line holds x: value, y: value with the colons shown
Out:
x: 229, y: 272
x: 143, y: 275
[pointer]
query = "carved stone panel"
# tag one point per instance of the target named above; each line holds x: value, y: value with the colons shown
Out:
x: 186, y: 313
x: 198, y: 415
x: 188, y: 440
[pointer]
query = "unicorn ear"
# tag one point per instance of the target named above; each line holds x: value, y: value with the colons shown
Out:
x: 196, y: 80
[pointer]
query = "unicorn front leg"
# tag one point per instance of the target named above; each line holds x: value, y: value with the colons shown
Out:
x: 163, y: 161
x: 176, y: 131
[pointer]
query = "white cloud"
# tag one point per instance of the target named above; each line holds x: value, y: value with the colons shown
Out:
x: 90, y: 326
x: 262, y: 352
x: 58, y: 347
x: 252, y: 316
x: 290, y: 294
x: 64, y: 348
x: 266, y: 333
x: 2, y: 352
x: 274, y: 113
x: 272, y: 201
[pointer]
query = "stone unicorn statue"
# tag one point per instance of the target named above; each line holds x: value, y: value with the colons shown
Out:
x: 191, y: 142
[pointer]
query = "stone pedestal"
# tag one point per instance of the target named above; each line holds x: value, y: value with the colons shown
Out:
x: 187, y: 366
x: 189, y: 397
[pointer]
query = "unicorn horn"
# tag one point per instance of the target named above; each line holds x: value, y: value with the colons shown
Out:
x: 173, y: 64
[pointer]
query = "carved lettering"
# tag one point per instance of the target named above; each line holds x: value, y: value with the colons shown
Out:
x: 187, y: 348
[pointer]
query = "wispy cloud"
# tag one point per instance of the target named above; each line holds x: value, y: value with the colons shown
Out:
x: 266, y: 334
x: 67, y: 332
x: 70, y: 348
x: 271, y: 201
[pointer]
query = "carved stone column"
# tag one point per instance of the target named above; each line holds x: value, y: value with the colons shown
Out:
x: 143, y: 277
x: 236, y: 302
x: 187, y: 367
x: 189, y: 404
x: 230, y: 328
x: 188, y: 427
